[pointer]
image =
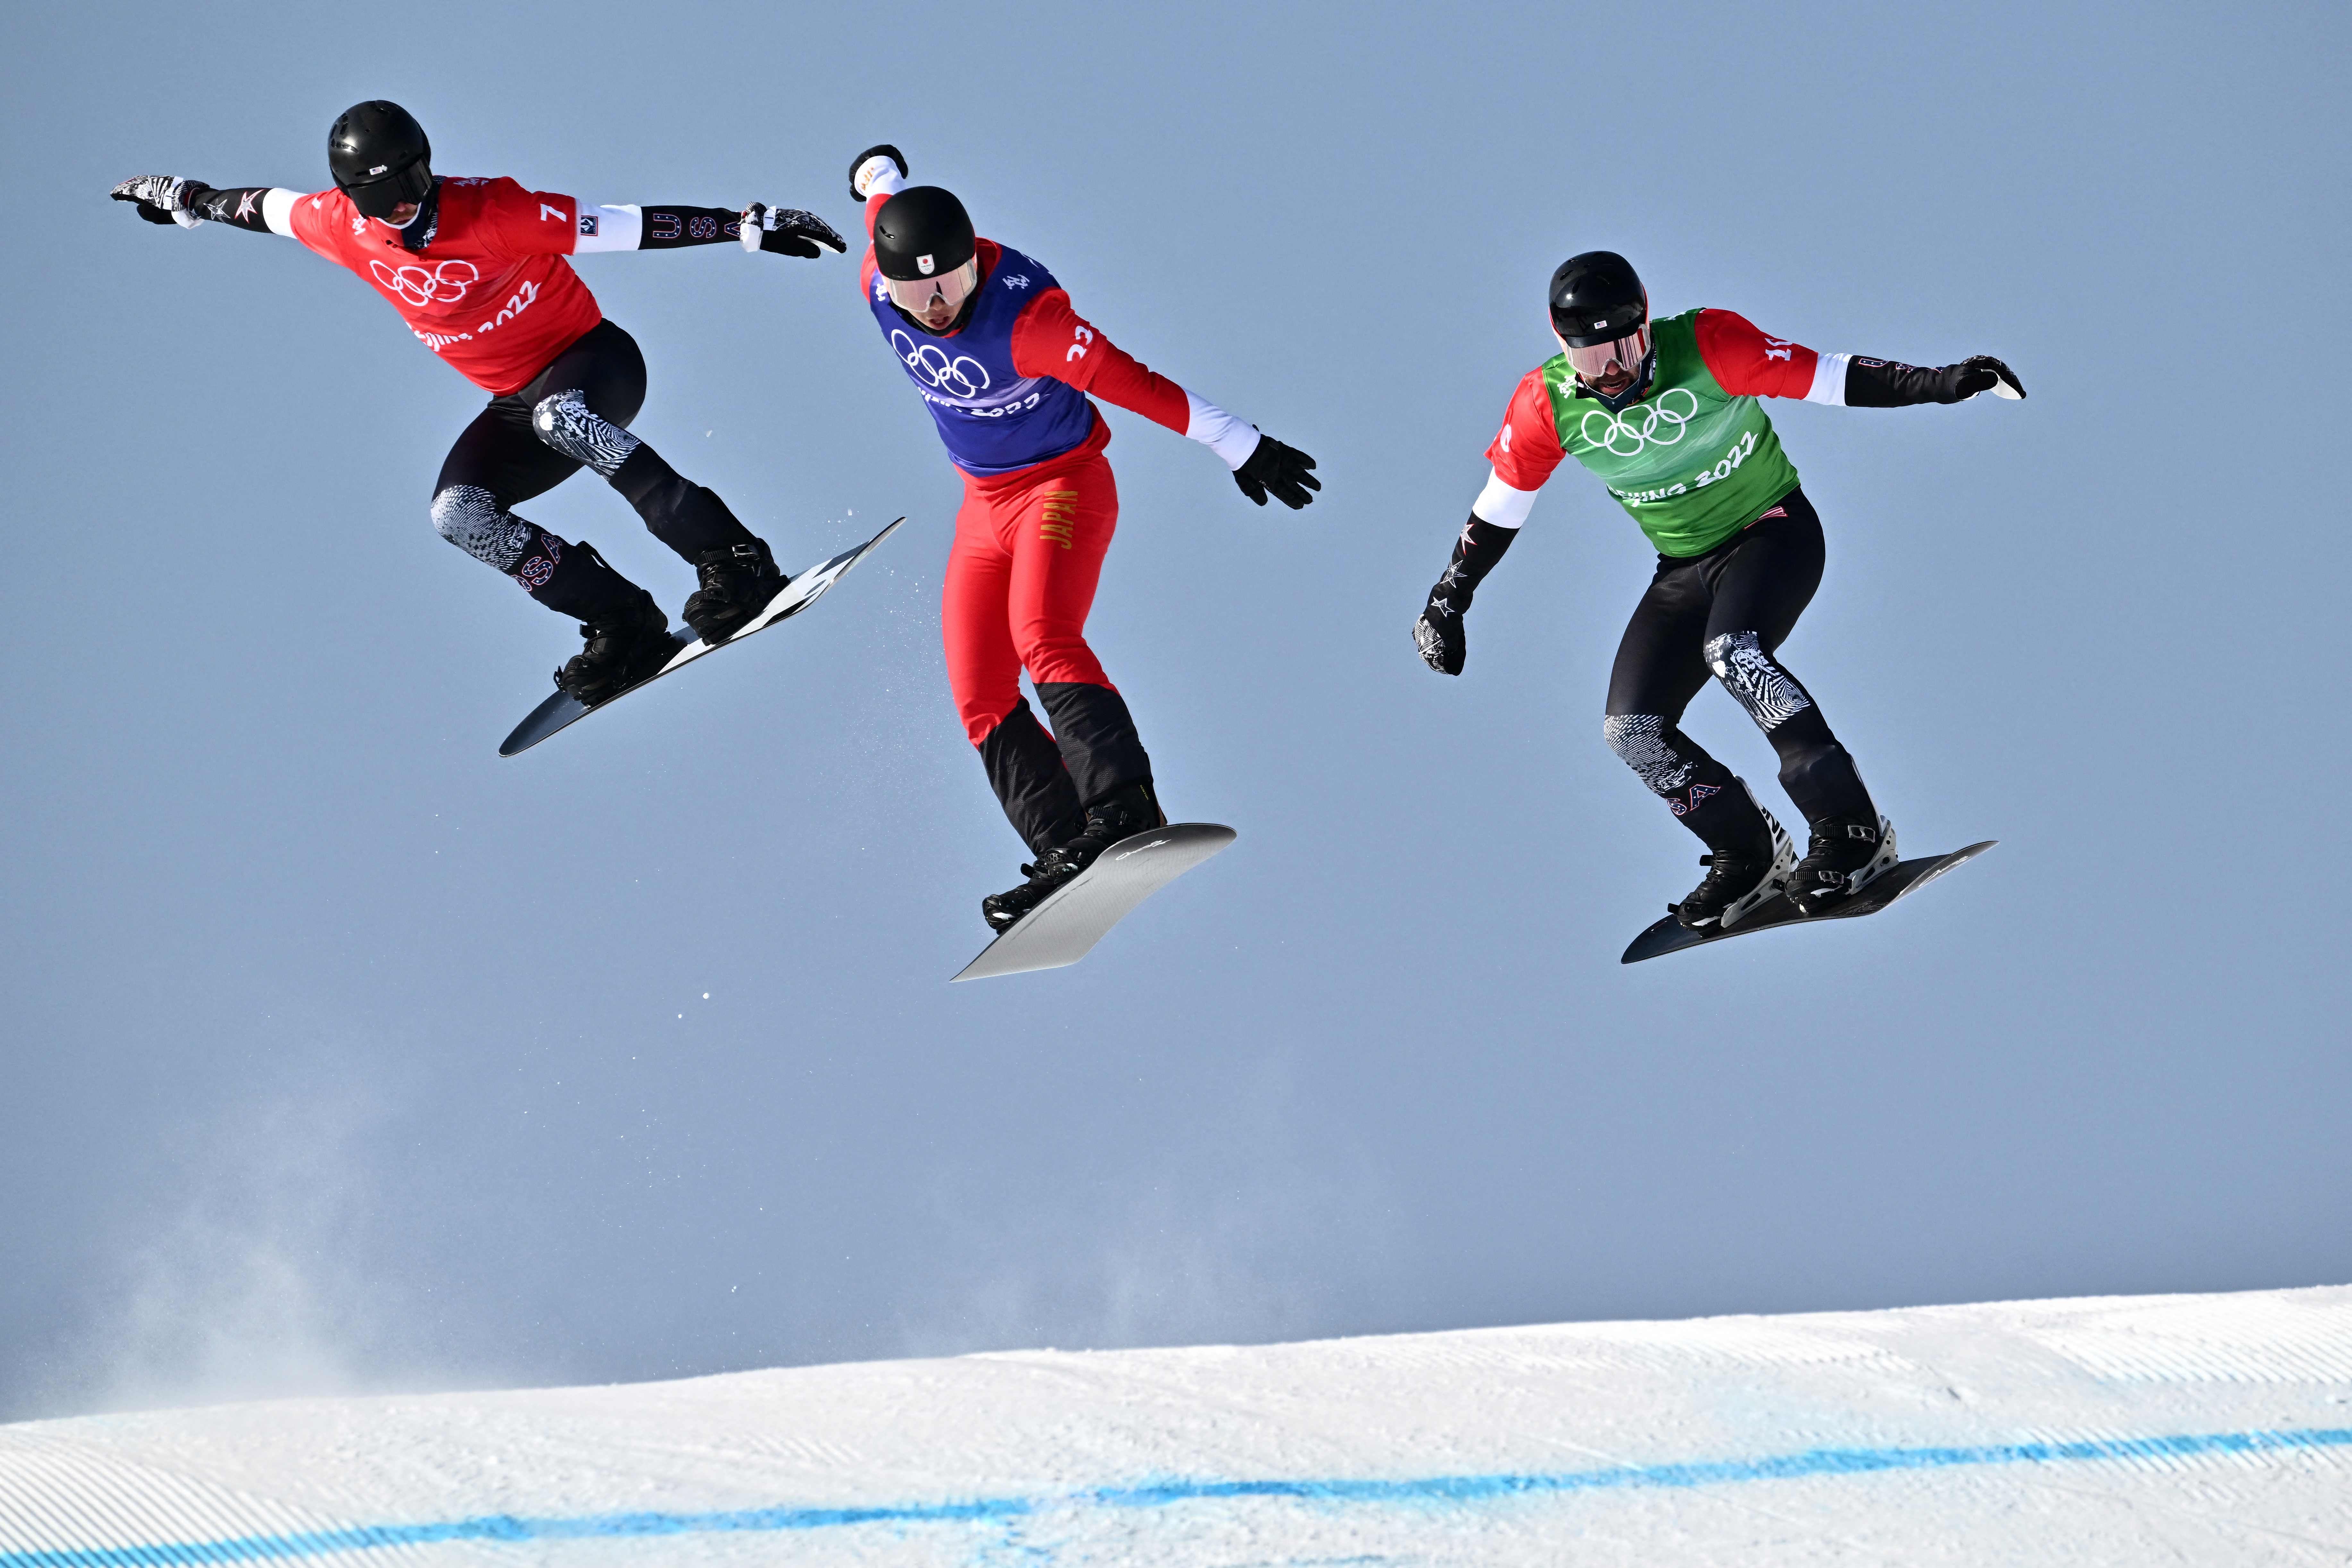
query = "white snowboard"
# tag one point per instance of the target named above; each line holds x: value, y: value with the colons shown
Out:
x: 1065, y: 927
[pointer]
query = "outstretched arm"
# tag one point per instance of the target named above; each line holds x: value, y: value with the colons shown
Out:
x: 1051, y: 339
x: 673, y: 226
x: 1884, y: 384
x: 1748, y: 364
x: 167, y: 198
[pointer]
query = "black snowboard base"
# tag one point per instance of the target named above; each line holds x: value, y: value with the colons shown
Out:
x: 1065, y: 927
x: 563, y: 710
x: 1904, y: 877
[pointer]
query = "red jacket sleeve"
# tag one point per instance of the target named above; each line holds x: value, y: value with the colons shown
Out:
x: 1051, y: 339
x: 308, y: 221
x: 1747, y: 363
x: 1528, y: 448
x: 519, y: 223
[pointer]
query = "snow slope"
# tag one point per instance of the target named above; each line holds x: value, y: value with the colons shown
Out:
x: 2203, y: 1429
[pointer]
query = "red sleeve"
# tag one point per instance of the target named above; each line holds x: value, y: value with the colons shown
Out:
x: 1052, y: 339
x: 310, y: 220
x: 1527, y: 447
x: 517, y: 222
x: 1747, y: 363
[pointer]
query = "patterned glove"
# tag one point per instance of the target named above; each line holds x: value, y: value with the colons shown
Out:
x: 1283, y: 472
x: 163, y: 198
x: 788, y: 231
x: 1440, y: 635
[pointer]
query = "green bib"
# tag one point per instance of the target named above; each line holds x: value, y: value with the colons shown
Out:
x: 1692, y: 464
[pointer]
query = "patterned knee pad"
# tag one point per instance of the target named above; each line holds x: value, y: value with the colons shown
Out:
x: 472, y: 519
x: 565, y: 422
x: 1675, y: 769
x: 1770, y: 693
x: 1640, y: 741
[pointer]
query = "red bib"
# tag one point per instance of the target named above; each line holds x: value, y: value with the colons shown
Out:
x: 490, y: 292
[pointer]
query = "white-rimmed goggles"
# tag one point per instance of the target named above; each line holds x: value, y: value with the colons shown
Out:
x: 1593, y: 365
x: 914, y: 295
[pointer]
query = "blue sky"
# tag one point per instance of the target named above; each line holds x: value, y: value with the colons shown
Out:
x: 341, y: 1053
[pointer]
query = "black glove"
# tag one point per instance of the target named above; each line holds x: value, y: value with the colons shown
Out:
x: 1283, y: 472
x: 163, y: 198
x: 787, y: 231
x: 1443, y: 641
x: 1980, y: 373
x: 877, y: 149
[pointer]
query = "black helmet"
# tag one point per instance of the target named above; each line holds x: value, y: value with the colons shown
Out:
x: 379, y: 157
x: 921, y: 232
x: 1596, y: 298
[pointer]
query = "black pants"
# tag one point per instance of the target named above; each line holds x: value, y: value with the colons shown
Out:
x: 1724, y: 614
x: 572, y: 414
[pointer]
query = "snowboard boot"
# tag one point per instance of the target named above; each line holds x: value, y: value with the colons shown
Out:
x: 1738, y: 880
x: 738, y: 582
x: 1846, y: 854
x: 625, y: 644
x: 1131, y: 810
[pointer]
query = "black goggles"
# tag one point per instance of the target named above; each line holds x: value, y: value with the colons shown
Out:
x: 377, y: 198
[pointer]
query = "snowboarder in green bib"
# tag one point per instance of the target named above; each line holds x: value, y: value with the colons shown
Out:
x: 1665, y: 414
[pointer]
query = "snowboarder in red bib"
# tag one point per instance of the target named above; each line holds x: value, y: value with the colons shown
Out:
x: 1665, y: 414
x: 477, y: 269
x: 1005, y: 363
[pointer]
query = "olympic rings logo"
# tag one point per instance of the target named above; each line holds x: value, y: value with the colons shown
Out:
x: 1625, y: 438
x: 446, y: 284
x: 962, y: 376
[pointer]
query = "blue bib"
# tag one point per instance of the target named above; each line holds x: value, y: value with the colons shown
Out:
x: 992, y: 419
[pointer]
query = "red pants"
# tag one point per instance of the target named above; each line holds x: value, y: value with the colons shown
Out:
x: 1020, y: 577
x: 1028, y: 552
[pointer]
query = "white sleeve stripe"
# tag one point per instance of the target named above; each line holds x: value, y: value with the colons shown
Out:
x: 1829, y: 380
x: 277, y: 211
x: 1230, y: 438
x: 1501, y: 505
x: 615, y: 228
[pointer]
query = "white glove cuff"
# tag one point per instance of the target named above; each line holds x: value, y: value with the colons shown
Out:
x: 878, y: 176
x: 1230, y: 438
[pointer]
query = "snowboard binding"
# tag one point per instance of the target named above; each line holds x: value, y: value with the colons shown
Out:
x: 1844, y: 855
x: 625, y: 644
x: 1737, y: 884
x: 737, y: 582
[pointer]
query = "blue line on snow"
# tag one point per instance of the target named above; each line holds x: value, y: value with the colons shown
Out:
x: 1811, y: 1462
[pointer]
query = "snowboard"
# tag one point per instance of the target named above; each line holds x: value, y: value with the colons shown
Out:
x: 1898, y: 880
x: 564, y: 709
x: 1065, y: 927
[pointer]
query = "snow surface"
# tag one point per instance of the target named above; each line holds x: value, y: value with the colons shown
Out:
x: 2204, y: 1429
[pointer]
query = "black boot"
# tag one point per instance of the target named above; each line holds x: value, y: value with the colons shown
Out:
x: 738, y: 582
x: 1740, y: 876
x: 1845, y: 855
x: 1131, y: 810
x: 625, y: 643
